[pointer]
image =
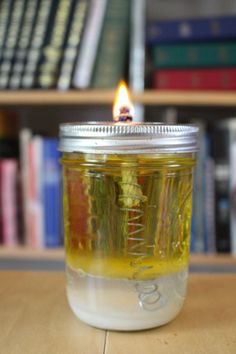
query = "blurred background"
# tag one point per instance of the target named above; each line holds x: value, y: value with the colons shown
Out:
x: 61, y: 61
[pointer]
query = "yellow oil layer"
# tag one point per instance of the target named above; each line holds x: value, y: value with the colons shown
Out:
x: 129, y: 268
x: 127, y: 216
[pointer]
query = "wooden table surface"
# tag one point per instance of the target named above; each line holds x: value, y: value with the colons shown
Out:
x: 35, y: 318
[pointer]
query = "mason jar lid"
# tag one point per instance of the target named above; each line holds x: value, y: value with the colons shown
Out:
x: 105, y: 137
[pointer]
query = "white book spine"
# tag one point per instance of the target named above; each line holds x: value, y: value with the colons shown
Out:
x: 38, y: 197
x: 89, y: 45
x: 137, y: 53
x: 137, y: 45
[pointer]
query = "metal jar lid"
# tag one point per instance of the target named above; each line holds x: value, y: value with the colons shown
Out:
x: 105, y: 137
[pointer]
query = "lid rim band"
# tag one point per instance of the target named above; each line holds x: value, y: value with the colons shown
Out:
x: 84, y: 137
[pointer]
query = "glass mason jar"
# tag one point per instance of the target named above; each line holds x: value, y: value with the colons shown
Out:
x: 127, y: 217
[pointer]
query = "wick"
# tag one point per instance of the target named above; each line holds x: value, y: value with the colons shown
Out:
x: 124, y: 115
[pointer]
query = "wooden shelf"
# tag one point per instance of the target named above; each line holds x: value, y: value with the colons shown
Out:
x: 24, y: 252
x: 104, y: 97
x: 31, y: 254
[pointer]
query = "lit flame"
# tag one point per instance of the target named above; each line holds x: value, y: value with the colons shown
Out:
x: 123, y: 109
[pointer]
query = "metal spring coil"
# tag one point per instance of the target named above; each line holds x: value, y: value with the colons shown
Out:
x: 148, y: 293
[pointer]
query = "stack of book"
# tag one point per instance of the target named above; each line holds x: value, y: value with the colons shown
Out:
x: 193, y: 54
x: 30, y: 187
x: 41, y: 190
x: 63, y: 44
x: 214, y: 195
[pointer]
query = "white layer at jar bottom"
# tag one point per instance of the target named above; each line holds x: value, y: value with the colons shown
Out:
x: 127, y: 305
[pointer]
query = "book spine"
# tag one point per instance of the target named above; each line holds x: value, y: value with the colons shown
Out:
x: 9, y: 171
x: 199, y: 187
x: 52, y: 193
x: 23, y: 44
x: 212, y: 28
x: 195, y: 79
x: 31, y: 213
x: 89, y: 44
x: 220, y: 54
x: 220, y: 153
x: 72, y: 45
x: 109, y: 65
x: 5, y: 15
x: 52, y: 52
x: 232, y: 154
x: 137, y: 53
x: 210, y: 206
x: 34, y: 203
x: 1, y: 230
x: 25, y: 138
x: 43, y: 24
x: 137, y: 46
x: 11, y: 42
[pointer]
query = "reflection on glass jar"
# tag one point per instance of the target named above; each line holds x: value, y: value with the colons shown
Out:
x: 127, y: 231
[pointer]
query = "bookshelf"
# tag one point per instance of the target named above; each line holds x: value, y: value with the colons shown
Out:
x: 76, y: 98
x: 43, y: 259
x: 30, y: 102
x: 22, y: 252
x: 106, y: 97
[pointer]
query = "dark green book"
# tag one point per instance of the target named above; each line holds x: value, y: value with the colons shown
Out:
x: 72, y: 44
x: 52, y: 51
x: 5, y: 15
x: 42, y: 27
x: 12, y: 37
x: 211, y: 54
x: 23, y: 43
x: 110, y: 62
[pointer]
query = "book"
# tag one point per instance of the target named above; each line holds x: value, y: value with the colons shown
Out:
x: 8, y: 201
x: 5, y: 15
x: 34, y: 202
x: 111, y: 55
x: 198, y: 215
x: 72, y: 45
x: 232, y: 159
x: 1, y: 233
x: 53, y: 48
x: 210, y: 54
x: 12, y: 36
x: 192, y: 29
x: 25, y: 136
x: 41, y: 190
x: 89, y: 44
x: 195, y: 79
x: 137, y: 52
x: 52, y: 193
x: 42, y: 28
x: 220, y: 137
x: 137, y: 46
x: 209, y: 204
x: 23, y: 43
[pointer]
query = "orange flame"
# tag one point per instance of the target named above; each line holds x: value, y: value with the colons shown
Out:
x: 123, y: 109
